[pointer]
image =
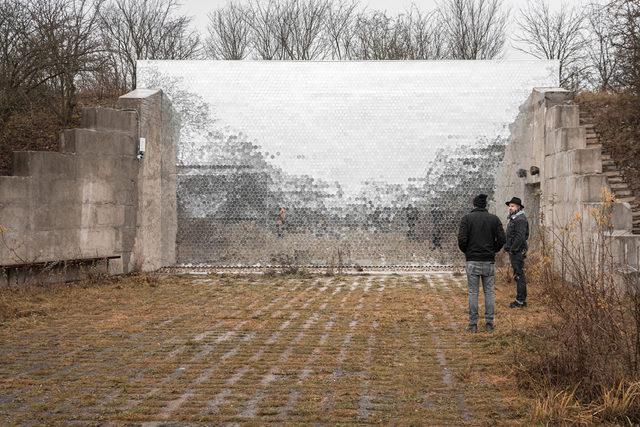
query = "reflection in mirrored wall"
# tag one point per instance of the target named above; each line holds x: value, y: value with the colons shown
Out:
x: 328, y: 163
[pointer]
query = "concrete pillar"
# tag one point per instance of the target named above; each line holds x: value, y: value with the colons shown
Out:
x: 156, y: 221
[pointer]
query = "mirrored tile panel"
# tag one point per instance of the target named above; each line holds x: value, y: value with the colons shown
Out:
x: 336, y: 163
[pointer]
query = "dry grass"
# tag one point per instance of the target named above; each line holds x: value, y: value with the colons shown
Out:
x: 618, y: 406
x: 582, y: 363
x: 342, y: 349
x: 558, y: 408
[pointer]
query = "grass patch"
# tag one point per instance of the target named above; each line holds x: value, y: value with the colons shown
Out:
x: 389, y: 349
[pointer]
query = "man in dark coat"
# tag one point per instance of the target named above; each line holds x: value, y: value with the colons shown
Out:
x: 516, y: 246
x: 480, y: 237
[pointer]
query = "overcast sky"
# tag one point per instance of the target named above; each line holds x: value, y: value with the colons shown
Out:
x: 199, y: 9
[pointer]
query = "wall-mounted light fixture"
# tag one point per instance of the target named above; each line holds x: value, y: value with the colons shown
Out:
x: 142, y: 142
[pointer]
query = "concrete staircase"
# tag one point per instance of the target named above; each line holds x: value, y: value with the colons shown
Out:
x: 615, y: 178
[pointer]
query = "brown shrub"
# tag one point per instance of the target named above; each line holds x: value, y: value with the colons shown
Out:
x: 38, y: 128
x: 584, y: 363
x: 617, y: 120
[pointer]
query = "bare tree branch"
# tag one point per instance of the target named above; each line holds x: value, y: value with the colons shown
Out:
x: 299, y: 26
x: 474, y: 29
x: 625, y: 32
x: 340, y: 22
x: 229, y: 32
x: 601, y: 53
x: 264, y: 37
x: 145, y: 29
x: 553, y: 35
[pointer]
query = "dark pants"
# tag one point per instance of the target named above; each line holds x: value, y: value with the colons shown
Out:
x: 517, y: 263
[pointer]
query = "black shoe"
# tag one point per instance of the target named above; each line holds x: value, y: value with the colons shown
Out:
x: 516, y: 304
x: 472, y: 328
x: 489, y: 327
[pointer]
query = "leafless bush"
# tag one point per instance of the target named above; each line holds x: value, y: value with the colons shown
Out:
x: 290, y: 264
x: 591, y: 344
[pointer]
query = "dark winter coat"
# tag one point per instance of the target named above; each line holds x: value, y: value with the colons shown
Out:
x: 517, y: 233
x: 480, y: 235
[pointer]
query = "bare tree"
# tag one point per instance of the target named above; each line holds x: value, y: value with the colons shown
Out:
x: 289, y: 29
x: 145, y: 29
x: 20, y: 58
x: 229, y: 32
x: 553, y: 35
x: 340, y: 32
x: 423, y: 38
x: 409, y: 35
x: 378, y: 37
x: 625, y: 16
x: 474, y: 29
x: 317, y: 29
x: 46, y: 46
x: 67, y: 29
x: 264, y: 35
x: 600, y: 49
x: 300, y: 26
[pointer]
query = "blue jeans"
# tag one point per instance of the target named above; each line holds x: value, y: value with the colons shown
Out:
x: 486, y: 271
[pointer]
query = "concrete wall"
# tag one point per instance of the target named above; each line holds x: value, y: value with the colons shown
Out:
x: 94, y: 199
x: 155, y: 244
x: 547, y: 135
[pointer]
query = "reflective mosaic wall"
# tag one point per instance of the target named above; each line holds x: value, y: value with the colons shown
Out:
x: 327, y: 163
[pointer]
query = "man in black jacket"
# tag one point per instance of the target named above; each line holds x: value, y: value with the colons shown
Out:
x: 516, y: 246
x: 480, y: 236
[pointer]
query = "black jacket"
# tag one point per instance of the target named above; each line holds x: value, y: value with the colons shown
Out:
x: 517, y: 233
x: 480, y: 235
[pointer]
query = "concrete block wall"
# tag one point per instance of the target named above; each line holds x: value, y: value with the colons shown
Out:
x: 94, y: 199
x: 156, y: 222
x: 547, y: 135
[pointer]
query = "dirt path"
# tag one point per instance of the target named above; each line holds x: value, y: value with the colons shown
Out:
x: 355, y: 349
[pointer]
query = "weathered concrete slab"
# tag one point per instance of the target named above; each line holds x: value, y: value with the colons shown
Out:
x: 84, y: 202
